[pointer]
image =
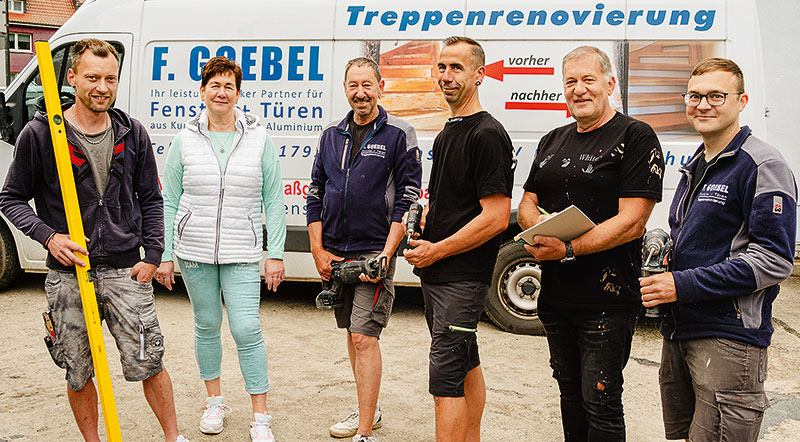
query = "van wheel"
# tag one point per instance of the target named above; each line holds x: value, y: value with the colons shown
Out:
x: 9, y: 263
x: 513, y: 299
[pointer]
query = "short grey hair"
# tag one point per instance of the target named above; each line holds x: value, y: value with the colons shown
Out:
x: 363, y: 61
x: 602, y: 58
x: 476, y: 50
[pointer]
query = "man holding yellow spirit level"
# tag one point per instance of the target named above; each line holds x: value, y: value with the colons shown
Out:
x: 121, y: 208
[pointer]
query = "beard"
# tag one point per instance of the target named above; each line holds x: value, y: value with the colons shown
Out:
x: 89, y: 103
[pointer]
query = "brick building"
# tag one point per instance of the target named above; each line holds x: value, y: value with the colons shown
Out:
x: 30, y: 21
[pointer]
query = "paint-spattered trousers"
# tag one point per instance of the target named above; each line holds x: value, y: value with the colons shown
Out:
x: 588, y: 350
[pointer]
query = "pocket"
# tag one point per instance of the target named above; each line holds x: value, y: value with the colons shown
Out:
x: 733, y: 348
x: 56, y: 351
x: 52, y: 281
x: 133, y: 216
x: 740, y: 415
x: 253, y: 229
x: 182, y: 223
x: 762, y: 364
x: 736, y: 308
x: 386, y: 208
x: 151, y: 341
x: 382, y: 305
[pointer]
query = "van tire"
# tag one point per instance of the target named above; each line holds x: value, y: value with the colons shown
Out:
x: 512, y: 303
x: 9, y: 263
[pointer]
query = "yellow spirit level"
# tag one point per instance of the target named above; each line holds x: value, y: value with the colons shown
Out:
x: 88, y: 298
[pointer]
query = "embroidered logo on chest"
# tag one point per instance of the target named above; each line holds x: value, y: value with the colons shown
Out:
x: 374, y: 150
x: 713, y: 193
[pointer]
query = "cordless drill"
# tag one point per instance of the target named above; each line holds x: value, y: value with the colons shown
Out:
x: 413, y: 220
x: 348, y: 272
x: 656, y: 249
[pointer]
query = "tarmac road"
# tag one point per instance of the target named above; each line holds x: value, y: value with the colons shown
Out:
x: 312, y: 385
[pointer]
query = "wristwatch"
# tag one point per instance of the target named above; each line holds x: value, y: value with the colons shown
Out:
x: 570, y: 257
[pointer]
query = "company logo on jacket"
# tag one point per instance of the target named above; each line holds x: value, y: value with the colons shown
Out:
x: 714, y: 193
x: 374, y: 150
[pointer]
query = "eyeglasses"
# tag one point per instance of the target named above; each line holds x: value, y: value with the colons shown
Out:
x: 713, y: 98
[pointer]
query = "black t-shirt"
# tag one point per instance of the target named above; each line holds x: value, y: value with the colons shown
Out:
x: 592, y: 170
x: 472, y: 159
x: 697, y: 174
x: 359, y: 134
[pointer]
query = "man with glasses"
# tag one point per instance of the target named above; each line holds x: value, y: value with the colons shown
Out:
x: 733, y: 229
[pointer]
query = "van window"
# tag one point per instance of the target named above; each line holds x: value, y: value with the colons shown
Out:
x: 62, y: 60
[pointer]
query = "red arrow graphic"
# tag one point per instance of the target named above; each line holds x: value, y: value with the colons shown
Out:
x: 532, y: 105
x: 497, y: 69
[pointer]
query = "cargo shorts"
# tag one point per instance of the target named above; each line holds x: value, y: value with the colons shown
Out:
x: 452, y: 311
x: 367, y: 306
x: 712, y: 389
x: 129, y: 312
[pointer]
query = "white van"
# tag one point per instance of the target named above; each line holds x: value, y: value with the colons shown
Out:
x: 293, y: 56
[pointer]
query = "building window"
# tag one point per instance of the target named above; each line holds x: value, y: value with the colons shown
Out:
x: 16, y: 6
x: 19, y: 42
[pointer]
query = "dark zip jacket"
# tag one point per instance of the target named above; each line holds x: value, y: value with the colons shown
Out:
x: 358, y: 201
x: 733, y: 243
x: 129, y: 216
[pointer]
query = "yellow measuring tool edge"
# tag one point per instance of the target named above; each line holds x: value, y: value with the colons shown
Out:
x: 58, y: 134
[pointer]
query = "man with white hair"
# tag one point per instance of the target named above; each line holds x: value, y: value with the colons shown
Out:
x: 610, y: 166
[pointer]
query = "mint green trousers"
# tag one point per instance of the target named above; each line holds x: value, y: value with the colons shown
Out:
x: 240, y: 286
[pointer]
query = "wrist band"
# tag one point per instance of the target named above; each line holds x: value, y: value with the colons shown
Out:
x: 49, y: 238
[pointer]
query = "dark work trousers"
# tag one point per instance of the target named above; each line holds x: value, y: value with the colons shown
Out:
x: 588, y: 350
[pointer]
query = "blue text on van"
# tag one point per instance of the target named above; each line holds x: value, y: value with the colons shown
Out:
x: 300, y: 63
x: 358, y: 15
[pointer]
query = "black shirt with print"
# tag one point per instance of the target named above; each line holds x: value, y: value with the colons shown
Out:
x: 593, y: 170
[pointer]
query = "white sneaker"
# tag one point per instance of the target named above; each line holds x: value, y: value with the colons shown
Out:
x: 213, y: 417
x: 348, y: 426
x: 181, y: 439
x: 261, y: 428
x: 360, y: 438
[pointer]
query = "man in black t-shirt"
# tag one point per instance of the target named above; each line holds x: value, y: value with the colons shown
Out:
x: 610, y: 166
x: 470, y: 202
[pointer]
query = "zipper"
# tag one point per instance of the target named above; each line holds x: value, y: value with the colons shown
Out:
x: 737, y: 307
x: 346, y: 155
x: 221, y: 190
x: 219, y: 215
x: 99, y: 227
x: 681, y: 206
x: 183, y: 222
x: 347, y: 174
x: 141, y: 341
x: 684, y: 212
x: 674, y: 321
x: 455, y: 328
x: 253, y: 228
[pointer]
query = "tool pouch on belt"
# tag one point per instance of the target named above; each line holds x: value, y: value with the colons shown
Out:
x: 53, y: 346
